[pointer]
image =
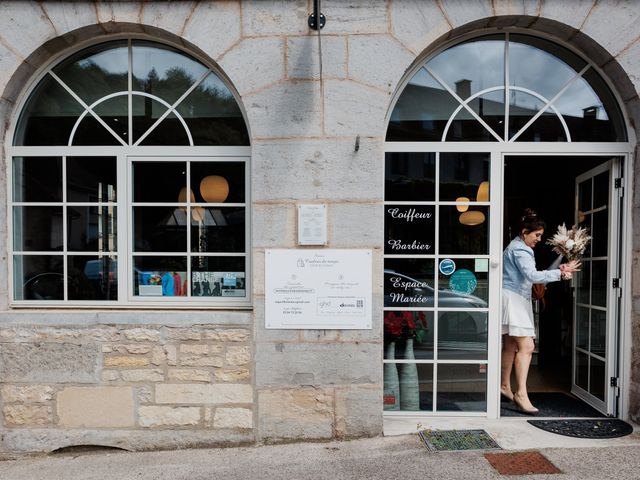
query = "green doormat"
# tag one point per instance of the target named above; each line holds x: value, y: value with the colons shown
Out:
x: 600, y: 428
x: 438, y: 440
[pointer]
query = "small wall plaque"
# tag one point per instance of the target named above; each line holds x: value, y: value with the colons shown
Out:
x: 312, y: 224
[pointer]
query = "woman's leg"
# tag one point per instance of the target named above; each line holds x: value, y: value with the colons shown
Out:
x: 525, y: 347
x: 508, y: 356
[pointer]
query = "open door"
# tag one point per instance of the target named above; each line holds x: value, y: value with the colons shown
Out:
x: 596, y: 293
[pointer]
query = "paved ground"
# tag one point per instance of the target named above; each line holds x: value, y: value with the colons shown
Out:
x: 400, y: 457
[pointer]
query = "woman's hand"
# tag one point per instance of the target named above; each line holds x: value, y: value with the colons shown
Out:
x: 566, y: 269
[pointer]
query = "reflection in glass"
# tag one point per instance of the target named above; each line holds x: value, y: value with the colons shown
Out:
x: 490, y: 108
x: 582, y: 326
x: 37, y: 229
x: 218, y: 277
x: 213, y: 115
x: 231, y: 172
x: 461, y: 175
x: 458, y: 238
x: 582, y: 370
x: 409, y: 229
x: 146, y: 112
x: 158, y: 181
x: 159, y: 276
x: 217, y: 229
x: 37, y: 179
x: 598, y: 332
x: 163, y: 71
x: 170, y: 131
x: 599, y: 283
x: 159, y: 229
x: 92, y: 229
x: 91, y: 132
x: 408, y: 282
x: 546, y: 128
x: 92, y: 278
x: 96, y: 71
x: 38, y: 277
x: 399, y: 326
x: 472, y: 66
x: 48, y: 116
x: 462, y: 335
x: 91, y: 179
x: 466, y: 285
x: 461, y: 388
x: 465, y: 128
x: 410, y: 176
x: 114, y: 112
x: 597, y: 378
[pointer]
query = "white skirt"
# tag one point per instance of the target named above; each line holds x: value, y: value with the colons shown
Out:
x: 517, y: 315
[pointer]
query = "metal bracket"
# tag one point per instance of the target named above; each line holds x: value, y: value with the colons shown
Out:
x: 316, y: 20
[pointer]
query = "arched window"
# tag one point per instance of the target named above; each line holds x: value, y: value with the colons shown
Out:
x: 506, y: 88
x: 129, y: 182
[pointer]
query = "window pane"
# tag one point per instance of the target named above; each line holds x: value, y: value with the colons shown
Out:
x: 598, y: 332
x: 547, y: 128
x: 38, y: 277
x: 402, y: 325
x: 462, y: 175
x: 581, y: 370
x: 217, y: 230
x: 584, y: 195
x: 163, y: 71
x: 464, y: 233
x: 92, y: 229
x: 213, y: 115
x: 408, y: 387
x: 463, y: 283
x: 599, y: 283
x: 410, y: 177
x: 422, y: 111
x: 146, y: 111
x: 472, y: 66
x: 169, y: 132
x: 582, y: 327
x: 462, y: 388
x: 465, y: 128
x: 96, y: 71
x: 159, y: 181
x: 462, y: 335
x: 49, y: 115
x: 159, y: 229
x: 408, y: 282
x: 409, y: 229
x: 91, y: 179
x: 601, y: 190
x: 490, y: 108
x: 218, y: 277
x: 92, y: 278
x: 159, y: 276
x: 37, y: 179
x: 597, y: 374
x: 583, y: 283
x: 211, y: 180
x: 600, y: 234
x: 92, y: 132
x: 114, y: 112
x: 37, y: 229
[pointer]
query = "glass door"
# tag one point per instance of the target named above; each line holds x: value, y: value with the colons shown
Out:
x: 596, y: 296
x: 437, y: 276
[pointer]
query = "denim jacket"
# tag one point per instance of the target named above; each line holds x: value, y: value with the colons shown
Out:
x: 519, y: 269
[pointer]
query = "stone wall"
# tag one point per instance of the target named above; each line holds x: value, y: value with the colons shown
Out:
x: 156, y: 380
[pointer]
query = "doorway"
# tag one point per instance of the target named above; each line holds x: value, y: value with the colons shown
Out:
x: 576, y: 351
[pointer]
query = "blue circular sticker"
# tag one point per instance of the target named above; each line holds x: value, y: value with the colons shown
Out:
x: 447, y: 266
x: 463, y: 281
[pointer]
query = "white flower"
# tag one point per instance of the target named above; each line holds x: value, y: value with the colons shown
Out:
x: 570, y: 244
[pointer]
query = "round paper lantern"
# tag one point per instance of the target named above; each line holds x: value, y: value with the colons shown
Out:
x: 462, y: 208
x: 483, y: 192
x: 471, y: 217
x: 182, y: 196
x: 214, y: 189
x: 198, y: 214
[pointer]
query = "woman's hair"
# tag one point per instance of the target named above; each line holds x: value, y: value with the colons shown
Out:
x: 530, y: 221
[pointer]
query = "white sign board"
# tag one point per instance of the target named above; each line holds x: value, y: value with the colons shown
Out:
x: 318, y: 289
x: 312, y: 224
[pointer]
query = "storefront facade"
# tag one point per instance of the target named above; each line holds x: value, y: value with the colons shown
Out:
x: 155, y: 154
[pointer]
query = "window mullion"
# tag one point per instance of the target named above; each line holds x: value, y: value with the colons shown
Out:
x: 129, y: 94
x: 124, y: 229
x: 506, y: 88
x: 65, y: 232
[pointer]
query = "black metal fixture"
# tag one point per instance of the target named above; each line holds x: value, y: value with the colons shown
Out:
x: 316, y: 19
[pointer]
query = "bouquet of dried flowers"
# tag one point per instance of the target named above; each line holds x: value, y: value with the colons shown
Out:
x: 570, y: 243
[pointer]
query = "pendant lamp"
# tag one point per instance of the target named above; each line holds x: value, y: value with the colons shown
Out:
x: 471, y: 217
x: 462, y: 208
x: 214, y: 189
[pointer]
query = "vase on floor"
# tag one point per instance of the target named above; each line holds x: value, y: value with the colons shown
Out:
x: 409, y: 391
x: 391, y: 394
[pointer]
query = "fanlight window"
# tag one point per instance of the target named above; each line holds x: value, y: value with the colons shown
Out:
x: 98, y: 217
x: 506, y: 88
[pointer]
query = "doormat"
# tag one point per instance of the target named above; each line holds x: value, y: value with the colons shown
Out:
x: 601, y: 428
x: 439, y: 440
x: 521, y: 463
x: 552, y: 404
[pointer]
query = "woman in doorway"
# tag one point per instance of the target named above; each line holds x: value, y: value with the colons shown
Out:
x: 519, y: 274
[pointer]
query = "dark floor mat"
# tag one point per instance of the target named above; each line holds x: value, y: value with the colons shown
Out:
x: 552, y: 404
x: 604, y: 428
x: 438, y: 440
